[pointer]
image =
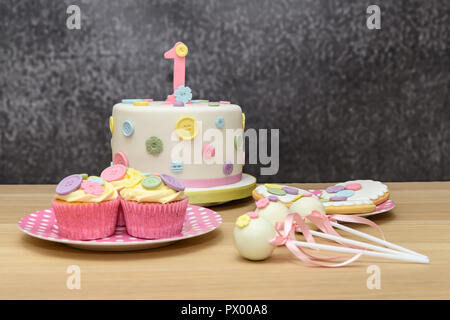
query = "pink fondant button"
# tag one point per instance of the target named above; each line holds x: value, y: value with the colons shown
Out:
x: 120, y: 158
x: 113, y: 173
x: 208, y: 151
x: 92, y: 187
x: 253, y: 214
x: 262, y: 203
x: 353, y: 186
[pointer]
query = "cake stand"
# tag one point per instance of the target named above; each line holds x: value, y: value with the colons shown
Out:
x: 221, y: 194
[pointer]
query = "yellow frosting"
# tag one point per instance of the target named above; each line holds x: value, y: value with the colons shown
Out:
x: 243, y: 221
x: 120, y: 184
x: 161, y: 194
x: 79, y: 195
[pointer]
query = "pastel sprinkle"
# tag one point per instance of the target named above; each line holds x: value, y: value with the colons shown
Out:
x: 338, y: 198
x: 307, y: 194
x: 353, y: 186
x: 273, y: 186
x: 345, y: 193
x: 290, y: 190
x: 272, y: 198
x: 297, y: 197
x: 140, y: 103
x: 131, y: 101
x: 213, y: 104
x: 224, y: 102
x: 275, y: 191
x: 253, y: 214
x: 334, y: 189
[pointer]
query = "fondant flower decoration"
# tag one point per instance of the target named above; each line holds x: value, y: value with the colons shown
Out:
x: 243, y: 221
x: 154, y: 145
x: 183, y: 94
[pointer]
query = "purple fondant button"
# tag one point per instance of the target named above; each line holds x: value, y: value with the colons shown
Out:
x: 290, y: 190
x: 172, y: 182
x: 227, y: 168
x: 338, y: 198
x: 272, y: 198
x: 69, y: 184
x: 334, y: 189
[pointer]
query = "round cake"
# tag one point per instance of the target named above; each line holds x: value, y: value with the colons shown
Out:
x: 200, y: 142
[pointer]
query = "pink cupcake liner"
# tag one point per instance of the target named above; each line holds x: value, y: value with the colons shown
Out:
x: 154, y: 220
x: 120, y: 217
x: 86, y: 221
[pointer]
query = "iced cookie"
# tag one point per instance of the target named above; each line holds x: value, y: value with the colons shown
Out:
x: 357, y: 196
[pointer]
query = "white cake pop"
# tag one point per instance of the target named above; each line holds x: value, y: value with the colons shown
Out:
x: 252, y: 235
x: 271, y: 211
x: 305, y: 205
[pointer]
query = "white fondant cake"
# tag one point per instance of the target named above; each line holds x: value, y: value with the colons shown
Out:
x: 181, y: 141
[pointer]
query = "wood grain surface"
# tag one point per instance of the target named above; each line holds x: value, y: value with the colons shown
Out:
x: 208, y: 267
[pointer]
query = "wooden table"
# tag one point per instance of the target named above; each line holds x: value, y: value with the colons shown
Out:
x: 208, y: 267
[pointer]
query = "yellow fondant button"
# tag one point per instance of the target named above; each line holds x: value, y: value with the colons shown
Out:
x: 186, y: 128
x: 243, y: 121
x: 181, y: 50
x: 140, y: 103
x: 273, y: 186
x: 111, y: 124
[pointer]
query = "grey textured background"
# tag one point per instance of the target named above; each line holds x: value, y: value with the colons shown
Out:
x: 350, y: 102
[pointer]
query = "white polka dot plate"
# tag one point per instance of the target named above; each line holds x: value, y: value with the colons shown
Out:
x: 42, y: 224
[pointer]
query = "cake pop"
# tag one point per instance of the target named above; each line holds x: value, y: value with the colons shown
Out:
x: 271, y: 211
x: 252, y: 235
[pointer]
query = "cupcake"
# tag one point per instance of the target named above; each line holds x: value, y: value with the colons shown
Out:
x: 85, y: 207
x: 123, y: 177
x: 154, y: 207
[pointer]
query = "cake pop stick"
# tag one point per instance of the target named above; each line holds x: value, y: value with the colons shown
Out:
x: 375, y: 239
x: 362, y: 244
x: 402, y: 257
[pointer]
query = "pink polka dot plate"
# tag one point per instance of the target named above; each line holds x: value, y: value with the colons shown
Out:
x: 42, y: 224
x: 381, y: 208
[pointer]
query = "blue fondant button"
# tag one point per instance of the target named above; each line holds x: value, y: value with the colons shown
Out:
x: 127, y: 128
x: 220, y: 122
x: 345, y: 193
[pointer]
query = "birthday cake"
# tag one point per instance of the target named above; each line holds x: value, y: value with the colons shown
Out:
x: 198, y: 141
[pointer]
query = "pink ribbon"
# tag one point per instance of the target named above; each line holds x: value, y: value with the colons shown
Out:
x: 286, y: 236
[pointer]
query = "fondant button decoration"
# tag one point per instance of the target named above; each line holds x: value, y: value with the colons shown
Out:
x: 181, y: 50
x: 262, y: 203
x: 120, y: 158
x: 154, y: 145
x: 111, y: 124
x: 297, y: 197
x: 208, y: 151
x: 345, y: 193
x: 114, y: 173
x: 290, y: 190
x: 203, y: 101
x: 131, y: 101
x: 277, y: 192
x: 213, y: 104
x: 151, y: 182
x: 338, y: 198
x: 220, y: 122
x: 353, y: 186
x: 148, y: 100
x: 133, y: 181
x: 224, y: 102
x: 69, y: 184
x: 140, y: 103
x: 227, y: 168
x: 186, y: 128
x: 172, y: 182
x: 183, y: 94
x: 238, y: 142
x: 273, y: 185
x: 196, y: 101
x: 127, y: 128
x: 334, y: 189
x: 84, y: 176
x: 176, y: 166
x: 92, y: 187
x: 97, y: 179
x: 272, y: 198
x: 178, y: 104
x: 243, y: 121
x: 307, y: 194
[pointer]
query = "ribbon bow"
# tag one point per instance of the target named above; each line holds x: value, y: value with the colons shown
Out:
x: 286, y: 236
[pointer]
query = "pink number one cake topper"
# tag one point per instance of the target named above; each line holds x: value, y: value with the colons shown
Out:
x: 178, y: 54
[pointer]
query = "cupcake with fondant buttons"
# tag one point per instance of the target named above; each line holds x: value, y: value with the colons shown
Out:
x: 155, y: 207
x: 85, y: 207
x: 120, y: 177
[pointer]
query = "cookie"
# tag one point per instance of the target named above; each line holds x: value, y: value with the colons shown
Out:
x: 351, y: 197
